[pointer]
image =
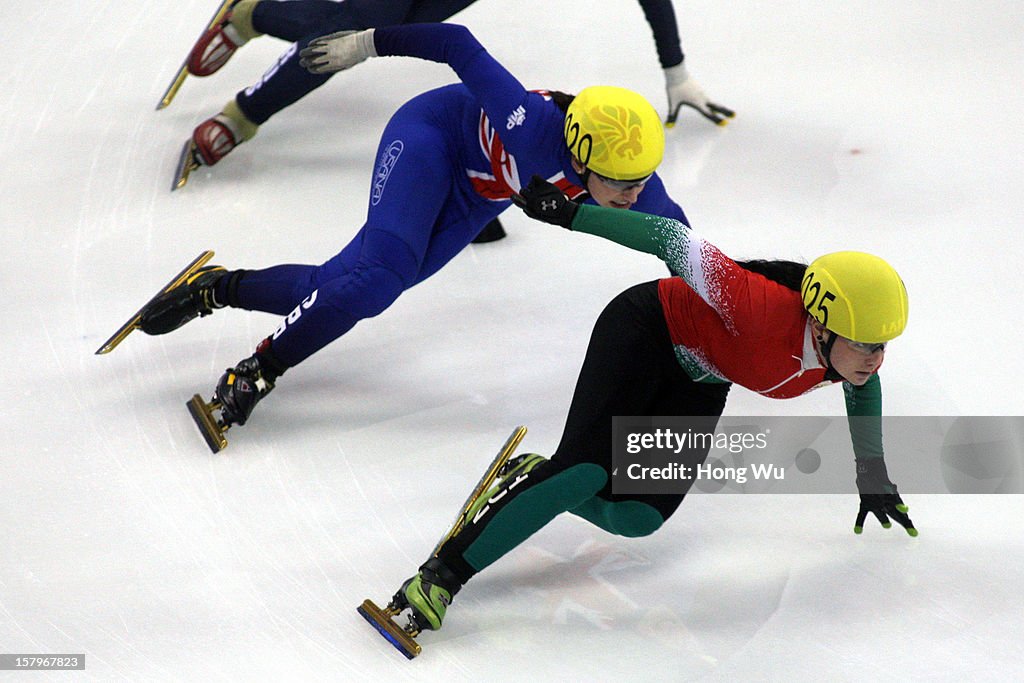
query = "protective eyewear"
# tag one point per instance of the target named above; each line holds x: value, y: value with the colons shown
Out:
x: 864, y: 347
x: 622, y: 185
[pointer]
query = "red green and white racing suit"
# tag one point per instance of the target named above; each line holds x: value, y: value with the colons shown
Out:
x: 729, y: 324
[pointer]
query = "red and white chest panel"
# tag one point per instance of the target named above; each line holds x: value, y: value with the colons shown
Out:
x: 503, y: 181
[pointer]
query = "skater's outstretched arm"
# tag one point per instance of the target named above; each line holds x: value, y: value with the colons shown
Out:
x: 877, y: 492
x: 499, y: 93
x: 681, y: 88
x: 681, y: 248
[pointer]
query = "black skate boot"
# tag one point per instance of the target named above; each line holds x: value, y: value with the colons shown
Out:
x: 238, y: 391
x: 193, y: 298
x: 240, y: 388
x: 492, y: 232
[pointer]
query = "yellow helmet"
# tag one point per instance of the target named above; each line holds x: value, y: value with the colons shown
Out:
x: 614, y: 132
x: 857, y: 296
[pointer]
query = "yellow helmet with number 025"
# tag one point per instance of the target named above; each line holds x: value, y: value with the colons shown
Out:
x: 856, y: 295
x: 615, y: 132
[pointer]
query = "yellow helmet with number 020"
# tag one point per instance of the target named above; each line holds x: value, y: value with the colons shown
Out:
x: 615, y: 132
x: 856, y: 295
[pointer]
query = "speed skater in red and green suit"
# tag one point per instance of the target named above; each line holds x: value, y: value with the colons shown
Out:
x: 674, y: 347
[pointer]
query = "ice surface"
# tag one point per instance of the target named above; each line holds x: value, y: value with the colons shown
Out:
x: 888, y: 127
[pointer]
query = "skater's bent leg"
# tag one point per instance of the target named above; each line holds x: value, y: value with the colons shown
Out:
x: 383, y: 260
x: 301, y: 22
x: 629, y: 365
x: 630, y: 369
x: 385, y: 269
x: 285, y: 83
x: 580, y: 468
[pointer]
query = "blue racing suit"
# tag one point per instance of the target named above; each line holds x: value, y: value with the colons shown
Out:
x: 448, y: 162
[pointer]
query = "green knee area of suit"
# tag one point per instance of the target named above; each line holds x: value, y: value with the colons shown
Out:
x: 629, y: 518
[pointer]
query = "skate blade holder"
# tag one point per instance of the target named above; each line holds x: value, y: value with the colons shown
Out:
x: 381, y: 619
x: 210, y: 427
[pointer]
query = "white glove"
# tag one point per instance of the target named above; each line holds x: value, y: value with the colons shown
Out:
x: 337, y: 51
x: 684, y: 91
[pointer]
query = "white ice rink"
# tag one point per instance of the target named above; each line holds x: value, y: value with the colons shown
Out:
x: 890, y: 127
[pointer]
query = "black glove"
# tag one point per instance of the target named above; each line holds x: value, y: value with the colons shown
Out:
x: 883, y: 506
x: 879, y: 496
x: 543, y: 201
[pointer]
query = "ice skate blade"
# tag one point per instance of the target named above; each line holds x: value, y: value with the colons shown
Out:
x: 211, y: 429
x: 186, y: 164
x: 133, y: 322
x: 395, y: 635
x: 182, y: 72
x: 173, y: 88
x: 483, y: 485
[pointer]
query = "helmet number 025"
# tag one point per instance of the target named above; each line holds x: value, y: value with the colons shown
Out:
x: 816, y: 300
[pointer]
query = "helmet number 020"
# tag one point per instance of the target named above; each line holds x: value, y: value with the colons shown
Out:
x: 816, y: 300
x: 580, y: 145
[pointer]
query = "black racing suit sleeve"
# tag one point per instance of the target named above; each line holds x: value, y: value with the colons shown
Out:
x: 662, y: 18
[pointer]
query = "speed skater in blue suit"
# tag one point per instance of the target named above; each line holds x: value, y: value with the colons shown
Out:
x: 301, y: 21
x: 479, y: 141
